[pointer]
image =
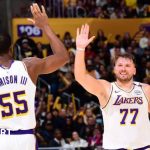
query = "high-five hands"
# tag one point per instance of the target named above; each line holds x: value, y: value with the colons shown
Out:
x: 82, y: 38
x: 40, y: 17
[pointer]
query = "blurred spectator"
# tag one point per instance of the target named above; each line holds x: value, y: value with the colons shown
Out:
x: 116, y: 50
x: 58, y: 139
x: 90, y: 8
x: 92, y: 69
x: 91, y: 121
x: 80, y: 10
x: 26, y: 50
x: 96, y: 138
x: 41, y: 50
x: 110, y: 7
x: 98, y: 13
x: 41, y: 110
x: 69, y: 127
x: 101, y: 3
x: 70, y: 9
x: 25, y: 47
x: 104, y: 74
x: 68, y: 40
x: 100, y: 37
x: 126, y: 40
x: 89, y: 53
x: 40, y: 139
x: 143, y: 43
x: 57, y: 8
x: 88, y: 114
x: 69, y: 66
x: 77, y: 141
x: 80, y: 126
x: 131, y: 12
x: 141, y: 11
x: 59, y: 121
x: 71, y: 109
x: 49, y: 117
x: 47, y: 131
x: 135, y: 47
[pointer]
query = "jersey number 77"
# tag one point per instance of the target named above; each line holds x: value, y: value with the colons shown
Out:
x: 126, y: 112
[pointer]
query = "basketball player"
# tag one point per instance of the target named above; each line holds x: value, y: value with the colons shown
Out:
x: 124, y: 103
x: 18, y: 85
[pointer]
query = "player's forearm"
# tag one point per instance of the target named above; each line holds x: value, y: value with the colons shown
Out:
x: 57, y: 46
x: 80, y: 68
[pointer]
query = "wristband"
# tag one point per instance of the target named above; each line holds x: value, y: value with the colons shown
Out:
x: 81, y: 49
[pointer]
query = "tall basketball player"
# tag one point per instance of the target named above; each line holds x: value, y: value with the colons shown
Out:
x: 18, y: 85
x: 125, y: 104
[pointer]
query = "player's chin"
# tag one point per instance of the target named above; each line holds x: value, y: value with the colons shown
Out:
x: 124, y: 79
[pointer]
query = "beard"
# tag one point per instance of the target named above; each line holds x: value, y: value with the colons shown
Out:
x: 122, y: 79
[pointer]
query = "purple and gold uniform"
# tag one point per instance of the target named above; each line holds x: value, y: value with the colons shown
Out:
x: 17, y: 112
x: 126, y: 119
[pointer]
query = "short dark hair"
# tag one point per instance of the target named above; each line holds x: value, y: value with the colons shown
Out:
x: 125, y: 55
x: 5, y: 43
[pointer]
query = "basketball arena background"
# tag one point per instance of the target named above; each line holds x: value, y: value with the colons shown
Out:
x: 62, y: 105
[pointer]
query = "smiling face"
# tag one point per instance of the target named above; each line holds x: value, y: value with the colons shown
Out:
x: 124, y: 69
x: 75, y: 136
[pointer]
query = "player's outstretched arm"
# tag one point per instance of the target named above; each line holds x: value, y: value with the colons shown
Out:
x: 92, y: 85
x: 60, y: 57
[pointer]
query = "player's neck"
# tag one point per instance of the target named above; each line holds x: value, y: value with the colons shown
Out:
x: 5, y: 60
x: 127, y: 86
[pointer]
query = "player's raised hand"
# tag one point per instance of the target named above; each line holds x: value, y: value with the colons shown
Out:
x: 40, y: 18
x: 82, y: 38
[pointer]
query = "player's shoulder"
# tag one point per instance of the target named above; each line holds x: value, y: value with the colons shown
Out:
x: 30, y: 59
x: 105, y: 84
x: 140, y: 84
x: 33, y: 64
x: 145, y: 87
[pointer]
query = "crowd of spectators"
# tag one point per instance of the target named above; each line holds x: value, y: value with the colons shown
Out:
x: 107, y: 9
x: 61, y: 120
x: 93, y: 8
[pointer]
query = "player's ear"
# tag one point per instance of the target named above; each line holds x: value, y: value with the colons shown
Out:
x: 113, y: 71
x: 134, y: 72
x: 10, y: 50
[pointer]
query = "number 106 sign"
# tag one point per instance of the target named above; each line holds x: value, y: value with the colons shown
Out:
x: 31, y: 30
